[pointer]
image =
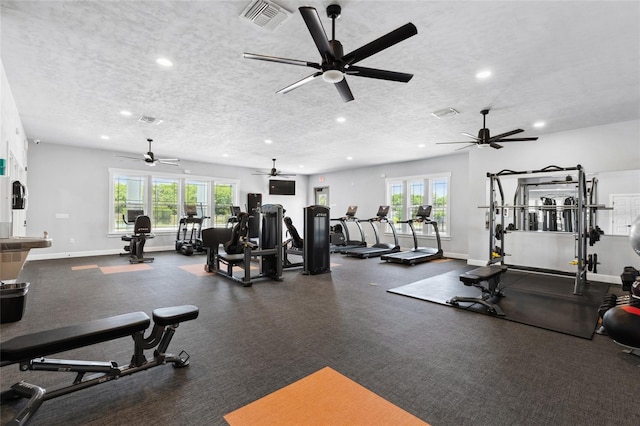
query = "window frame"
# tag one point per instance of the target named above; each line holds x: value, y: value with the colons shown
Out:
x: 428, y: 181
x: 182, y: 181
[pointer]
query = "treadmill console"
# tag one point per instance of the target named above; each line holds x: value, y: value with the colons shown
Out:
x: 424, y: 212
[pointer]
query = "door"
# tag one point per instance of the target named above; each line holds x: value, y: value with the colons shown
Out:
x: 321, y: 196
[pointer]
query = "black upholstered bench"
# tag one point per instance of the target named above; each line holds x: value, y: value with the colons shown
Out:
x: 30, y: 352
x: 487, y: 279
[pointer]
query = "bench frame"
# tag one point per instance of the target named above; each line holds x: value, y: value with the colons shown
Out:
x: 477, y: 278
x: 166, y: 321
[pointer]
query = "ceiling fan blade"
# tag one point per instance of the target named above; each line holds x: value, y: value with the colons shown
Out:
x: 129, y: 157
x: 465, y: 147
x: 281, y: 60
x: 384, y: 42
x: 517, y: 139
x: 495, y: 145
x: 311, y: 18
x: 471, y: 136
x: 380, y: 74
x: 167, y: 159
x: 344, y: 90
x: 504, y: 135
x: 299, y: 83
x: 446, y: 143
x: 168, y: 163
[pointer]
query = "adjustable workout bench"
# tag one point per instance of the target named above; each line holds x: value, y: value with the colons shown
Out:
x: 476, y: 277
x: 29, y: 351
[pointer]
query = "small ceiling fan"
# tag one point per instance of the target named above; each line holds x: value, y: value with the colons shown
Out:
x: 273, y: 172
x: 334, y: 64
x: 484, y: 138
x: 151, y: 160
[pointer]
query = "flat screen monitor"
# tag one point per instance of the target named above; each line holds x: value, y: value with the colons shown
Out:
x: 424, y: 211
x: 133, y: 214
x: 282, y: 187
x: 383, y: 211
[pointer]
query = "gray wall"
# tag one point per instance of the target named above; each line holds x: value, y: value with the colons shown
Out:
x: 365, y: 187
x: 75, y: 182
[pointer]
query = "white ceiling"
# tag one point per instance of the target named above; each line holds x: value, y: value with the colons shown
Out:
x: 73, y: 65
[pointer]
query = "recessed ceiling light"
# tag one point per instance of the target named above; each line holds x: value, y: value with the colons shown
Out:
x: 125, y: 113
x: 421, y: 145
x: 481, y: 75
x: 539, y: 124
x: 164, y: 62
x: 302, y: 166
x: 349, y: 158
x: 268, y: 141
x: 341, y: 119
x: 105, y: 137
x: 225, y: 155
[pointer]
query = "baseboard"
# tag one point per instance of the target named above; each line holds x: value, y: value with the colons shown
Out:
x: 611, y: 279
x: 452, y: 255
x: 66, y: 255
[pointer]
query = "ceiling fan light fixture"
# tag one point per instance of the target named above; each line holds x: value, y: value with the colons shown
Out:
x: 333, y: 76
x: 483, y: 145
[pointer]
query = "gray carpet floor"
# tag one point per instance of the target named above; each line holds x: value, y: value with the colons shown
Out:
x: 446, y: 366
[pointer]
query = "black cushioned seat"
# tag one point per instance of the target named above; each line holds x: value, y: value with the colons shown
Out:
x: 30, y: 346
x: 485, y: 273
x: 174, y: 315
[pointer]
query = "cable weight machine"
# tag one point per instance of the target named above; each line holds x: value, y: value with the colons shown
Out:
x: 579, y: 217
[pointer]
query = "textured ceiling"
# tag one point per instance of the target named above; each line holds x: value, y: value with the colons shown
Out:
x: 73, y: 65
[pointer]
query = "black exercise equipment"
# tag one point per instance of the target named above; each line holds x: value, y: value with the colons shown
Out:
x: 238, y: 249
x: 346, y: 242
x: 29, y: 351
x: 477, y: 278
x: 190, y: 224
x: 254, y: 202
x: 293, y: 245
x: 141, y: 233
x: 377, y: 249
x: 233, y: 219
x: 418, y: 254
x: 317, y: 258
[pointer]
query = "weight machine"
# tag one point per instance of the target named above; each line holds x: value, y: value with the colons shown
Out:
x: 579, y: 217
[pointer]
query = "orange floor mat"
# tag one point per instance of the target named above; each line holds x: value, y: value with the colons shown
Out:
x: 325, y: 397
x: 125, y: 268
x: 82, y: 267
x: 197, y: 269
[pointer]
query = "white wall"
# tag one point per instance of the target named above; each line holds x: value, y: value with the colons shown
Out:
x: 75, y: 182
x: 365, y: 187
x: 609, y: 148
x: 13, y: 149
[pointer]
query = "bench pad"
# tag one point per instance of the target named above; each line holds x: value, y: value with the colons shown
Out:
x: 30, y: 346
x: 476, y: 276
x: 174, y: 314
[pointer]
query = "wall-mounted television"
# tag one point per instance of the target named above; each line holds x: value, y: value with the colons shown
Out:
x: 282, y: 187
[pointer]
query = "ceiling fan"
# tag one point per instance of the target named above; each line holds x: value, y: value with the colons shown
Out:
x: 151, y: 160
x: 484, y: 139
x: 334, y: 64
x: 273, y: 172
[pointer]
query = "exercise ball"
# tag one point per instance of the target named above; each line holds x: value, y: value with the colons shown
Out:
x: 634, y: 235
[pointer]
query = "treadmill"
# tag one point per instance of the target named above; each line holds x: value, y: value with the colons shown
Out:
x: 418, y: 254
x: 378, y: 249
x: 348, y: 244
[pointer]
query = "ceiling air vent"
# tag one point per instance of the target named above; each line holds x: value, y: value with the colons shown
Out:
x: 265, y: 14
x: 149, y: 120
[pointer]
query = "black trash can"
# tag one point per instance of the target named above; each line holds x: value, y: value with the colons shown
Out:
x: 13, y: 299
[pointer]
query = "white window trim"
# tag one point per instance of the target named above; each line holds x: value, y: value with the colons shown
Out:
x: 182, y: 179
x: 404, y: 180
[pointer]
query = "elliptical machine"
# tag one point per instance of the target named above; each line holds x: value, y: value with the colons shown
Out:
x: 190, y: 224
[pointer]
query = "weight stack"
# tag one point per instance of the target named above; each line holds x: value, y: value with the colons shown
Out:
x: 316, y: 259
x: 254, y: 202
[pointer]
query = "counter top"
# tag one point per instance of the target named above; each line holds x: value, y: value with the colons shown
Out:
x: 23, y: 243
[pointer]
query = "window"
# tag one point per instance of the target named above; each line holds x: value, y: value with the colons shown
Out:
x: 165, y: 198
x: 128, y: 194
x: 405, y: 195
